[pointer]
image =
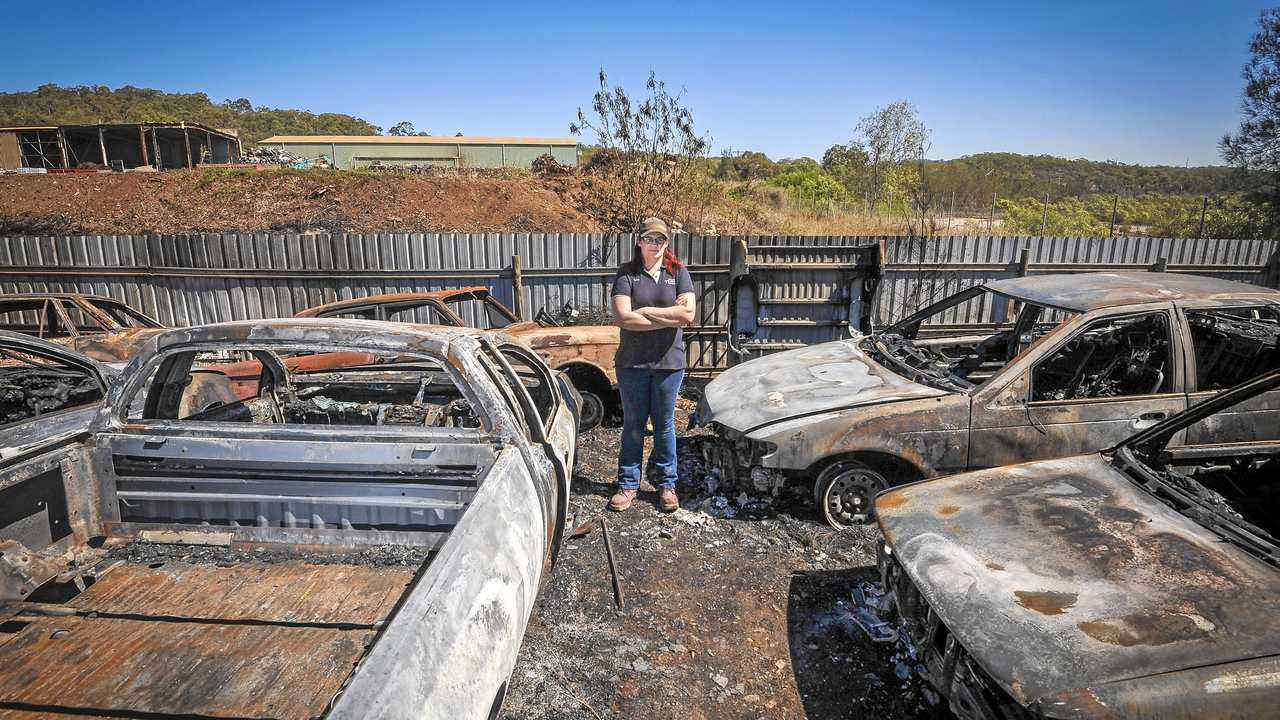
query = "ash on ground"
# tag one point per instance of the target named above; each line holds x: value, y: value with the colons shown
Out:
x: 735, y: 607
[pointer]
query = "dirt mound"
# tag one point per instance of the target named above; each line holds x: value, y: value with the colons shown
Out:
x: 284, y: 201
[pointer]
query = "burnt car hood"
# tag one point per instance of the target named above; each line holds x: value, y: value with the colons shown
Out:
x: 804, y: 381
x: 1062, y: 575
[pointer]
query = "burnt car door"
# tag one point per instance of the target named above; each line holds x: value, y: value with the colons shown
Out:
x: 1102, y: 378
x: 1228, y: 344
x: 534, y: 396
x: 48, y: 398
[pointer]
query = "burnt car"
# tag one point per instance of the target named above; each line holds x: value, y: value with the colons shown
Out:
x: 1141, y: 581
x: 109, y: 331
x: 102, y: 328
x: 583, y: 352
x: 47, y: 394
x: 363, y: 541
x: 1075, y: 363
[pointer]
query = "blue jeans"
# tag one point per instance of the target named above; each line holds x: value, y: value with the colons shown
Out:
x: 648, y: 394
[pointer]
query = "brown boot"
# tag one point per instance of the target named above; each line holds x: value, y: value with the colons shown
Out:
x: 667, y: 500
x: 622, y: 500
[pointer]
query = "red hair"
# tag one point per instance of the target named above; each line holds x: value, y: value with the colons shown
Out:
x: 670, y: 261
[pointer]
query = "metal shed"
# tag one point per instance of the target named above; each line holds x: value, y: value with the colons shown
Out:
x: 347, y: 152
x: 122, y: 146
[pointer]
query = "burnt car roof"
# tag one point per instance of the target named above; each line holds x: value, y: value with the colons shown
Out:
x: 1084, y: 292
x: 442, y: 295
x: 327, y: 331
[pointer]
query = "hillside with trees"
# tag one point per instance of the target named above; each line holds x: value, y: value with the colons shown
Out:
x: 55, y: 105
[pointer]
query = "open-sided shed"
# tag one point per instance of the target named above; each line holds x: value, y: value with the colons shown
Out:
x: 122, y: 146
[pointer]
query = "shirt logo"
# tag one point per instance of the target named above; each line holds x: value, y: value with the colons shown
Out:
x: 670, y: 281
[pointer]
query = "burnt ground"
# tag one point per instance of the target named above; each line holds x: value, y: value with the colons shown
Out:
x: 742, y: 617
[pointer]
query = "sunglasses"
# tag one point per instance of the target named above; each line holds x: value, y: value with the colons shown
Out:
x: 653, y: 241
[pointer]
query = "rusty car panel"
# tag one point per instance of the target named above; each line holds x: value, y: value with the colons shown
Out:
x: 264, y: 556
x: 289, y: 592
x: 176, y: 668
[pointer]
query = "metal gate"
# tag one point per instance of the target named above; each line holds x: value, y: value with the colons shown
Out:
x: 788, y: 293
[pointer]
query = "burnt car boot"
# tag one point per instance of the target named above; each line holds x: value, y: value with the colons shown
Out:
x: 622, y: 499
x: 667, y: 500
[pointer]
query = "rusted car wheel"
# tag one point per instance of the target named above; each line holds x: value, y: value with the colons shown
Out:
x: 844, y: 492
x: 592, y: 412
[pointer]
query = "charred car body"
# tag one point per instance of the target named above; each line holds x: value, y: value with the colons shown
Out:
x: 1142, y: 581
x: 1076, y: 363
x: 374, y: 535
x: 583, y: 352
x: 102, y: 328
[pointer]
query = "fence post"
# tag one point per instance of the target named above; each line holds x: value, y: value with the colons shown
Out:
x: 1044, y: 216
x: 1024, y: 261
x: 992, y: 217
x: 1115, y: 204
x: 517, y: 287
x: 737, y: 260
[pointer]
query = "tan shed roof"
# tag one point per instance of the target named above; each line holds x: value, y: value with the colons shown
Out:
x: 417, y: 140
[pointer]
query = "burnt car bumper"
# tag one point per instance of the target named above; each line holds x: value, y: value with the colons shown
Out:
x: 963, y: 684
x: 742, y: 461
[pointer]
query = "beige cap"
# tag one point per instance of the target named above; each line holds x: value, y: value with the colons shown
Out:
x: 656, y: 226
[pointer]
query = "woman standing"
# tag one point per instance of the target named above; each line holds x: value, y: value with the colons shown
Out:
x: 652, y: 299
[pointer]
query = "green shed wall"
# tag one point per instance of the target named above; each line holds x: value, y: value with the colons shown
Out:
x: 353, y: 155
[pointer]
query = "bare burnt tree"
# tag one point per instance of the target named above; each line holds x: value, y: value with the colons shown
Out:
x: 649, y: 159
x: 923, y: 248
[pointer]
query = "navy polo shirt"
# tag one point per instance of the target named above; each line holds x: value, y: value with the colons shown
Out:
x: 656, y: 349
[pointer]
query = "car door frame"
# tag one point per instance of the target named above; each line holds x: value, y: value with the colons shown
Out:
x: 1007, y: 427
x: 1197, y: 434
x: 545, y: 432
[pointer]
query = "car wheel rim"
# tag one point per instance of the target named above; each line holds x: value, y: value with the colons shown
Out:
x: 850, y: 495
x: 592, y: 411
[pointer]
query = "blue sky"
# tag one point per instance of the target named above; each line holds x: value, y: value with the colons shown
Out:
x: 1151, y: 82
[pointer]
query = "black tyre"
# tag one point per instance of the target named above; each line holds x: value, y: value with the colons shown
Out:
x: 845, y: 491
x: 592, y: 412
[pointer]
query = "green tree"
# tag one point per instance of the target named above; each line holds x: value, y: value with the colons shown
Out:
x: 848, y: 164
x: 1255, y: 146
x: 746, y: 165
x: 55, y: 105
x: 813, y: 186
x: 800, y: 164
x: 892, y: 136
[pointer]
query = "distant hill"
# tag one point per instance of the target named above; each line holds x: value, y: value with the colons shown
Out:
x: 55, y: 105
x: 975, y: 177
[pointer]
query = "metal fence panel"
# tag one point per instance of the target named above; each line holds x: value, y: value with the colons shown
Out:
x: 193, y: 279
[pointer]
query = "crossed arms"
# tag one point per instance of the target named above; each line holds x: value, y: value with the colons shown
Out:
x: 653, y: 318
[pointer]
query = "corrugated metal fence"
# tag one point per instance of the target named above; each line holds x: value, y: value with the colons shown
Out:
x: 194, y: 279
